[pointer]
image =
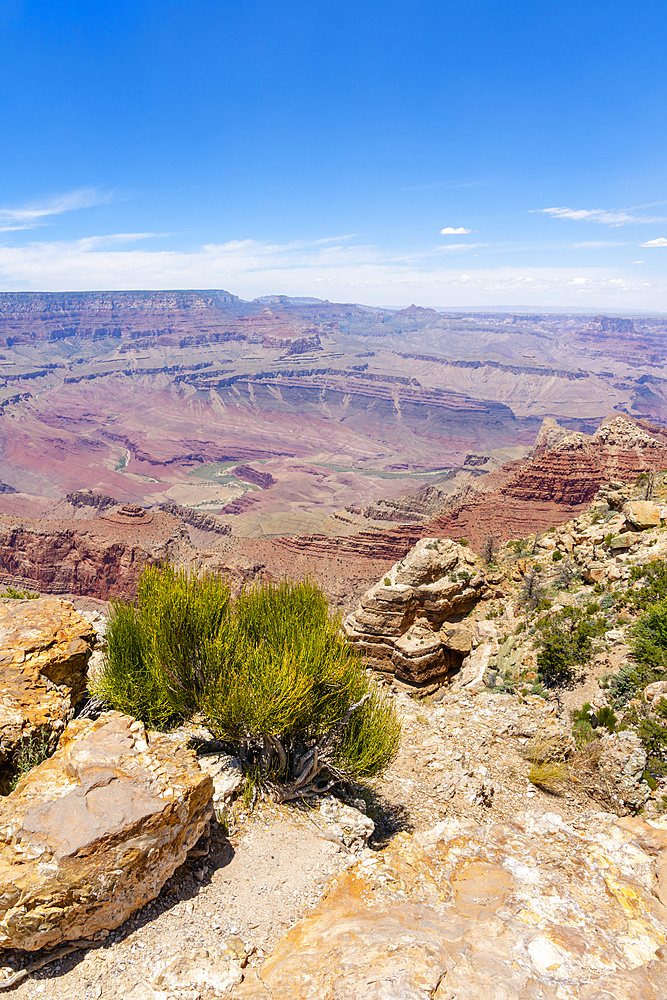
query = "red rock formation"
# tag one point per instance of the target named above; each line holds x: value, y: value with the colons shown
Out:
x: 96, y: 558
x: 249, y: 475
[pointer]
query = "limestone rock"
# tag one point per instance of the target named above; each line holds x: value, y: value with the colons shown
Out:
x: 44, y: 648
x: 346, y: 823
x: 93, y: 833
x: 397, y: 622
x: 536, y: 909
x: 622, y: 763
x: 655, y: 691
x: 457, y: 637
x: 623, y: 541
x: 217, y: 973
x: 642, y: 514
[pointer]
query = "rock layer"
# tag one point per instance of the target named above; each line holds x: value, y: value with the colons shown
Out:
x: 398, y: 621
x: 92, y: 834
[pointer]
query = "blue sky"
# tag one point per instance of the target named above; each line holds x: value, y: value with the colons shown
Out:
x: 321, y: 149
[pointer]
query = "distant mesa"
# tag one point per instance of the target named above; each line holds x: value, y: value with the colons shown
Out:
x: 249, y: 475
x: 129, y: 513
x: 86, y: 498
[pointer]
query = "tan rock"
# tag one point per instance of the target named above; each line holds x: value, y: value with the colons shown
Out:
x: 481, y: 912
x: 654, y: 692
x: 642, y: 514
x: 44, y: 648
x: 622, y: 764
x: 93, y: 833
x: 396, y: 622
x: 594, y: 573
x: 458, y: 637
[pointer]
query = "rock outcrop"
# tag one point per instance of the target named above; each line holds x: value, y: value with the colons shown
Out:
x: 539, y: 909
x: 100, y: 558
x: 398, y: 623
x: 93, y: 833
x: 44, y: 649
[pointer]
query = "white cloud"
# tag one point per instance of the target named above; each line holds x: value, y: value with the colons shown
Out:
x: 30, y: 215
x: 461, y: 246
x: 341, y: 273
x: 590, y: 215
x: 450, y: 231
x: 638, y: 262
x: 660, y: 242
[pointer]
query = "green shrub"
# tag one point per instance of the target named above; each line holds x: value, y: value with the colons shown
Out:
x: 19, y: 595
x: 270, y: 674
x: 557, y: 555
x: 155, y: 669
x: 565, y: 642
x: 33, y: 750
x: 629, y: 682
x: 387, y: 581
x: 654, y: 575
x: 649, y: 636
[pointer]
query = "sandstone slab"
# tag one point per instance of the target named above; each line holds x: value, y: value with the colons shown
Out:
x: 44, y: 649
x: 463, y: 912
x: 642, y: 514
x: 93, y: 833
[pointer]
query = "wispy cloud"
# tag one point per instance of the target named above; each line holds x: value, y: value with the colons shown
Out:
x: 660, y: 242
x: 596, y: 244
x: 451, y: 231
x: 339, y: 272
x: 461, y: 246
x: 590, y: 215
x: 32, y: 215
x: 603, y: 216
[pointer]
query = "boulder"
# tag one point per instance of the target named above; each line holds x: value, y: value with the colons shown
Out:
x: 594, y: 573
x: 44, y: 649
x: 622, y: 763
x: 347, y: 824
x: 642, y: 514
x: 623, y: 541
x: 457, y: 637
x: 655, y: 691
x: 93, y: 833
x: 535, y: 909
x: 398, y: 622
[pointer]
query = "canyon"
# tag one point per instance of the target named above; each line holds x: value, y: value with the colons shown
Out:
x: 288, y: 436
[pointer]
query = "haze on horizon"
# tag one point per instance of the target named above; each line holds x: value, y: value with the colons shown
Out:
x: 457, y: 154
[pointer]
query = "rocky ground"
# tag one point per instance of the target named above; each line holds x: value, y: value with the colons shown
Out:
x: 464, y: 776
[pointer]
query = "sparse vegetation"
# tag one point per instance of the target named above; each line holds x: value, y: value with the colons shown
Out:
x: 489, y: 548
x: 19, y: 595
x: 565, y: 642
x: 270, y: 674
x: 33, y: 750
x: 548, y: 775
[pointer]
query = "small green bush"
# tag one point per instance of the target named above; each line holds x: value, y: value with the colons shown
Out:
x: 565, y: 642
x: 19, y: 595
x: 629, y: 682
x: 270, y: 674
x: 649, y: 636
x: 32, y: 751
x: 557, y: 555
x: 654, y: 577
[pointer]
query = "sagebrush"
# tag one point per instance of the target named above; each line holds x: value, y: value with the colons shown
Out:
x: 270, y: 674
